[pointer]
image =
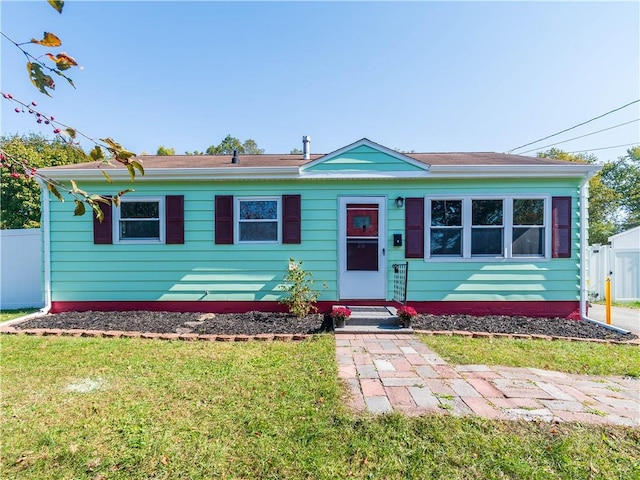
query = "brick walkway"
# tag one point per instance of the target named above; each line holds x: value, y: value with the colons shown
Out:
x: 398, y: 372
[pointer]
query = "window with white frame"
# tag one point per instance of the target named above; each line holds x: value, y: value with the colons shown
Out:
x: 487, y: 227
x: 139, y: 220
x: 528, y: 227
x: 446, y: 227
x: 258, y: 219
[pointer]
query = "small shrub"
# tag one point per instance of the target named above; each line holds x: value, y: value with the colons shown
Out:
x: 301, y: 296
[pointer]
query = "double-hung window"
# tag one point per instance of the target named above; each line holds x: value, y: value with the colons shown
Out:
x: 139, y: 220
x: 469, y: 227
x: 528, y: 237
x: 446, y: 228
x: 258, y: 219
x: 487, y: 227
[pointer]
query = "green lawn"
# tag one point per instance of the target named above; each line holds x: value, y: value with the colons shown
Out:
x: 87, y: 408
x: 563, y: 356
x: 630, y: 304
x: 11, y: 314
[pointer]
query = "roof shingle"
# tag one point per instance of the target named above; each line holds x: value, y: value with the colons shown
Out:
x: 296, y: 160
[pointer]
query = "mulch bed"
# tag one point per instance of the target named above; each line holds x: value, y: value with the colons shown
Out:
x: 255, y: 323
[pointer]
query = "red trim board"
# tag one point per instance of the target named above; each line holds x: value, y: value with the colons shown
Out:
x: 563, y: 309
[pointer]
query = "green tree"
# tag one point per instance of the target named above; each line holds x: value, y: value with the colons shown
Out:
x: 162, y: 151
x: 250, y: 147
x: 225, y: 147
x: 623, y: 177
x: 614, y: 192
x: 557, y: 154
x: 20, y: 195
x: 229, y: 144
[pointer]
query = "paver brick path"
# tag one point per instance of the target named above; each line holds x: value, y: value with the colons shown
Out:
x: 398, y: 372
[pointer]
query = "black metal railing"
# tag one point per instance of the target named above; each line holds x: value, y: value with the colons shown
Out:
x: 400, y: 276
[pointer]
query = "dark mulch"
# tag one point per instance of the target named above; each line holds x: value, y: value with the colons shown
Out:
x: 553, y: 327
x: 253, y: 323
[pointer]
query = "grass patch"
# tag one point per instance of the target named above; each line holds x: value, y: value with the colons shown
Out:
x: 562, y: 356
x: 631, y: 304
x: 194, y: 410
x: 7, y: 315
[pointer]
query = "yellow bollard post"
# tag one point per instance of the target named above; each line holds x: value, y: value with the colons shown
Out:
x: 607, y: 299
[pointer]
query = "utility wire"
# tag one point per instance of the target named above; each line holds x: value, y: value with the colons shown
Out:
x: 605, y: 148
x: 575, y: 126
x: 581, y: 136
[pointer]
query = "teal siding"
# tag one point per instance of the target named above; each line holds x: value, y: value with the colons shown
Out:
x: 366, y: 159
x: 552, y: 280
x: 82, y: 271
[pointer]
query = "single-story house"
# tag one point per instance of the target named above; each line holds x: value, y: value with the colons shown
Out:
x: 481, y: 233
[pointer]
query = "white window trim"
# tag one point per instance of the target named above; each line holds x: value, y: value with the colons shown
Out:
x: 141, y: 241
x: 507, y: 226
x: 236, y: 219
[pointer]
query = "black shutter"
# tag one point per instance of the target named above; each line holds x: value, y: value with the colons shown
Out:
x: 414, y: 227
x: 174, y: 217
x: 561, y: 227
x: 103, y: 231
x: 224, y: 219
x: 291, y: 219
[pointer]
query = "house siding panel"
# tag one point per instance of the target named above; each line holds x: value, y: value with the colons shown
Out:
x: 82, y: 271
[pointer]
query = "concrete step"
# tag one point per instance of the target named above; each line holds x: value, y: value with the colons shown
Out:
x: 372, y: 318
x: 388, y: 320
x: 347, y: 329
x: 363, y: 310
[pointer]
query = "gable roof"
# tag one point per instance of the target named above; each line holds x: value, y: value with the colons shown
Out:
x: 348, y: 161
x: 360, y: 149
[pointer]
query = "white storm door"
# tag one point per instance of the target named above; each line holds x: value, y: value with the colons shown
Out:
x: 362, y: 248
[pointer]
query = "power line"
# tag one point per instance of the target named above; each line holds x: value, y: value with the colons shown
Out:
x: 604, y: 148
x: 581, y: 136
x: 575, y: 126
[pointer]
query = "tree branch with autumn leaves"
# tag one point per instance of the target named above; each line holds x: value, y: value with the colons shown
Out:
x: 106, y: 151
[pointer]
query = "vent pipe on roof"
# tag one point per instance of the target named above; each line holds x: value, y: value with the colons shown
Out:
x: 235, y: 158
x: 306, y: 147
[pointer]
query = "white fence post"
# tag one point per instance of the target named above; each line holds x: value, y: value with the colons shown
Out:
x: 21, y: 269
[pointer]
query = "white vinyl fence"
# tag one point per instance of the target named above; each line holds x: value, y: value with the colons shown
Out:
x: 620, y: 261
x: 21, y: 269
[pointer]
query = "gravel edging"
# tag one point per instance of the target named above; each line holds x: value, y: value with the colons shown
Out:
x: 281, y: 337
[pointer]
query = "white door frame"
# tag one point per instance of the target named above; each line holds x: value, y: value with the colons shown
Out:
x: 354, y: 285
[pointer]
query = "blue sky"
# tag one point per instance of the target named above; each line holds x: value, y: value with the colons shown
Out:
x: 422, y: 76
